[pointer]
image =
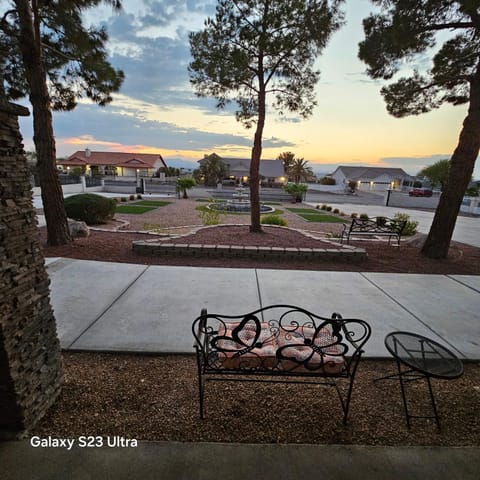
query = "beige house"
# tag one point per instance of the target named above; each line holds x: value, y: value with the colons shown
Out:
x: 114, y: 163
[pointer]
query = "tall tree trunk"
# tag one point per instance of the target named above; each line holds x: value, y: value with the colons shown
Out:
x: 43, y: 136
x: 255, y: 225
x: 460, y: 174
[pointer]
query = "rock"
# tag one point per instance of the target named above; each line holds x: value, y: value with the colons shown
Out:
x: 78, y: 229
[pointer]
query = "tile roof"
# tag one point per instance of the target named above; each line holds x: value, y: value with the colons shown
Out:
x: 119, y: 159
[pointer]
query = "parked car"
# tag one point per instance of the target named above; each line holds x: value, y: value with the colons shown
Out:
x: 420, y: 192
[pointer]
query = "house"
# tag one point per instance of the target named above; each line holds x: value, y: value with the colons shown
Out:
x: 372, y: 178
x: 120, y: 164
x: 271, y: 171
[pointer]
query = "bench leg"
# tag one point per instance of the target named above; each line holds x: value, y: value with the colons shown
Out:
x: 201, y: 386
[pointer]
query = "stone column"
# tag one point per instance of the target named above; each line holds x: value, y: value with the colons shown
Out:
x: 30, y: 357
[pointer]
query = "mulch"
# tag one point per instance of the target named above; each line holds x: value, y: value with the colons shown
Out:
x: 117, y: 247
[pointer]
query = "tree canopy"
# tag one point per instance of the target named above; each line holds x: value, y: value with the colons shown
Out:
x: 437, y: 173
x: 213, y: 169
x: 74, y: 55
x: 252, y: 49
x: 405, y: 30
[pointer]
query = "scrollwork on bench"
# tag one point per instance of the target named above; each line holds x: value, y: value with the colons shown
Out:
x: 279, y: 341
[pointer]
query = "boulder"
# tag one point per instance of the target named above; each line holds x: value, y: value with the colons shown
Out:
x: 78, y: 229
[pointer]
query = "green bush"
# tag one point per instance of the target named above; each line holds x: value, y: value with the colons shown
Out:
x: 296, y: 190
x: 354, y: 215
x: 90, y: 208
x: 211, y: 216
x: 273, y: 220
x: 327, y: 181
x: 337, y: 211
x: 139, y: 197
x: 324, y: 207
x: 329, y: 208
x: 411, y: 225
x: 132, y: 197
x: 123, y: 199
x: 363, y: 216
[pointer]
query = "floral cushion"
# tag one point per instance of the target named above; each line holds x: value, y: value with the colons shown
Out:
x: 252, y: 344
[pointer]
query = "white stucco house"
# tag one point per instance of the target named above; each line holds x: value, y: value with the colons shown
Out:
x: 372, y: 178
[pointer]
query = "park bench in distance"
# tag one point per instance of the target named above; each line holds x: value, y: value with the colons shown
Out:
x: 374, y: 227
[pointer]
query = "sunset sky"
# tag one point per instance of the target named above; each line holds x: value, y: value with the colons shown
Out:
x: 157, y: 111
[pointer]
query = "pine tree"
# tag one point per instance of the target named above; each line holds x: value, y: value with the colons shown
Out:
x: 49, y: 56
x: 253, y: 48
x: 407, y: 28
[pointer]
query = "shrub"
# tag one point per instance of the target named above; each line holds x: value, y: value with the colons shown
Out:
x: 132, y: 197
x: 296, y: 190
x: 337, y: 211
x: 211, y: 216
x: 139, y: 197
x: 327, y: 181
x: 324, y: 207
x: 123, y: 199
x: 354, y: 215
x: 411, y: 225
x: 329, y: 208
x: 273, y: 220
x: 317, y: 207
x: 90, y: 208
x: 363, y: 216
x: 184, y: 184
x: 381, y: 221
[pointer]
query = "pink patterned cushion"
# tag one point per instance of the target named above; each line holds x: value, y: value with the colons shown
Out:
x: 301, y: 357
x: 296, y: 348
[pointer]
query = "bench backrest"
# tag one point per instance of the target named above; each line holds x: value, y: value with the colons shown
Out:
x: 279, y: 339
x: 377, y: 225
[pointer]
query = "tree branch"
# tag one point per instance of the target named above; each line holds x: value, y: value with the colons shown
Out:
x: 446, y: 26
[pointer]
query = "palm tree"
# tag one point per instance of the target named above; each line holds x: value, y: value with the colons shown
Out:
x: 299, y: 170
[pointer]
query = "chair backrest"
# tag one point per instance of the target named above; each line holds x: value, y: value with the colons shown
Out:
x: 276, y: 336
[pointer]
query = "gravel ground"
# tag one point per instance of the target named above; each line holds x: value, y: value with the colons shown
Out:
x: 155, y: 397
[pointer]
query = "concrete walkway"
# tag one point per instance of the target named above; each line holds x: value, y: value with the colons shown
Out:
x: 104, y: 306
x: 212, y: 461
x: 124, y: 307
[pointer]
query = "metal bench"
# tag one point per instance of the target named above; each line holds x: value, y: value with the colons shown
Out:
x: 376, y: 227
x: 280, y: 344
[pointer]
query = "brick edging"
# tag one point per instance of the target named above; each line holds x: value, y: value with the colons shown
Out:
x: 345, y: 254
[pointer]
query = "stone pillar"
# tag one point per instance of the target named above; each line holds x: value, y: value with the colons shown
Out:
x: 30, y: 357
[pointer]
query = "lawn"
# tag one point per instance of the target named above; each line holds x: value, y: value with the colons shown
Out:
x: 313, y: 215
x: 152, y: 203
x: 134, y: 209
x: 143, y: 206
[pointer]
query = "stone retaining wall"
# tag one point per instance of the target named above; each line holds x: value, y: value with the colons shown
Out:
x: 345, y: 254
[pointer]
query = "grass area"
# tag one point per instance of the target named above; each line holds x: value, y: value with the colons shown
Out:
x: 134, y: 209
x: 313, y: 215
